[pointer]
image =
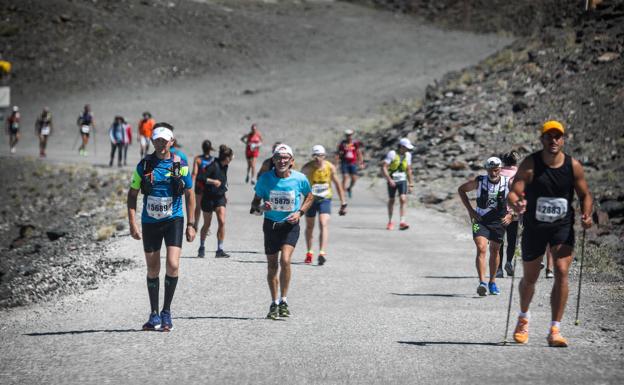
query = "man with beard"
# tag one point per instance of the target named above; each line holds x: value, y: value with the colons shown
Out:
x: 549, y: 179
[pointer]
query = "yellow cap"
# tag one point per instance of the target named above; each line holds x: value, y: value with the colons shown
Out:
x: 552, y: 125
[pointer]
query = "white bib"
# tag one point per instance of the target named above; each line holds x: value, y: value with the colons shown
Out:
x: 550, y: 209
x: 320, y: 190
x: 85, y: 129
x: 159, y: 207
x: 399, y: 176
x: 282, y: 200
x: 45, y: 130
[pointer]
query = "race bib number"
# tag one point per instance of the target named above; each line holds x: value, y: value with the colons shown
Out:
x: 349, y: 155
x: 159, y: 207
x: 85, y: 129
x: 550, y: 209
x: 253, y: 146
x: 320, y: 190
x: 282, y: 201
x: 399, y: 176
x: 45, y: 130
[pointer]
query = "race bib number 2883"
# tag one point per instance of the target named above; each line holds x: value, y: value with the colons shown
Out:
x: 550, y: 209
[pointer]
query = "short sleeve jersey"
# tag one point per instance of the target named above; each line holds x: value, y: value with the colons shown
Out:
x: 160, y: 205
x: 348, y: 151
x: 179, y: 153
x: 285, y: 194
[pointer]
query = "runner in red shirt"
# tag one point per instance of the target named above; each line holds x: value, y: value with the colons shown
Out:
x: 253, y: 140
x: 349, y: 155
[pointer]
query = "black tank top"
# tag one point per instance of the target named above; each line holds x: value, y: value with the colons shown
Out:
x: 545, y: 195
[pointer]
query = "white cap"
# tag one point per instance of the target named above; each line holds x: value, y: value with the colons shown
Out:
x: 492, y: 162
x: 15, y: 108
x: 349, y: 131
x: 318, y: 150
x: 162, y: 132
x: 406, y: 143
x: 283, y: 149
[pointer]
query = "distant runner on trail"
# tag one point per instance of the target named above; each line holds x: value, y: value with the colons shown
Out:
x: 127, y: 140
x: 349, y: 156
x: 213, y: 198
x: 86, y: 124
x: 43, y: 129
x: 253, y: 141
x: 287, y: 196
x: 489, y: 219
x: 145, y: 132
x: 509, y: 169
x: 549, y: 179
x: 200, y: 163
x: 321, y: 173
x: 13, y: 128
x: 397, y: 169
x: 116, y: 134
x: 163, y: 178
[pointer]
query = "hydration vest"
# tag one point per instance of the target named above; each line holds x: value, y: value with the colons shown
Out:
x: 492, y: 198
x: 399, y: 163
x: 147, y: 179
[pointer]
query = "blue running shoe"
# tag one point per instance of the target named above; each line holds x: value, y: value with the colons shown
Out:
x: 166, y: 325
x: 493, y: 288
x: 482, y: 289
x: 153, y: 323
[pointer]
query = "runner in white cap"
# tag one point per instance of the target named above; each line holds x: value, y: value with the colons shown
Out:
x: 321, y: 173
x: 397, y: 170
x: 287, y: 196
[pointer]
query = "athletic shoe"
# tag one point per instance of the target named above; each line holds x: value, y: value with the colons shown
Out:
x: 499, y: 273
x: 273, y: 312
x: 247, y: 179
x: 201, y: 252
x: 321, y: 260
x: 482, y: 289
x: 153, y: 323
x: 390, y: 226
x: 12, y: 150
x: 253, y: 182
x: 521, y: 334
x: 283, y: 309
x: 555, y: 339
x: 403, y: 226
x: 509, y: 269
x: 349, y: 192
x: 308, y: 258
x: 167, y: 325
x: 221, y: 254
x: 493, y: 288
x: 549, y: 274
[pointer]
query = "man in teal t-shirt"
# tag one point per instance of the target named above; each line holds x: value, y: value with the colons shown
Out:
x: 287, y: 195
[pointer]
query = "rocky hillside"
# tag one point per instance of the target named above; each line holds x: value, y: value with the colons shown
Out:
x: 571, y: 71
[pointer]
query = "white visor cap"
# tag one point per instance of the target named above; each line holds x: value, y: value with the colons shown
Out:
x: 283, y: 149
x: 162, y: 132
x: 406, y: 143
x: 318, y: 150
x: 492, y: 162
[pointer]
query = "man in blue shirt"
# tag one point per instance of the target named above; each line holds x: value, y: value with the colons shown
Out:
x: 287, y: 195
x: 163, y: 178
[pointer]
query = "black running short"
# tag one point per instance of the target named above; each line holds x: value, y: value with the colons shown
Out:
x: 209, y: 204
x: 536, y: 238
x: 278, y: 234
x: 13, y: 131
x: 493, y: 231
x: 154, y: 233
x: 401, y: 187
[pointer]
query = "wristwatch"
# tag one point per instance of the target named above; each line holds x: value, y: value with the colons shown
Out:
x: 190, y: 224
x: 301, y: 212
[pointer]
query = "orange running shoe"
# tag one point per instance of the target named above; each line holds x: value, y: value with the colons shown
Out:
x: 308, y: 259
x: 390, y: 226
x: 521, y: 334
x: 555, y: 339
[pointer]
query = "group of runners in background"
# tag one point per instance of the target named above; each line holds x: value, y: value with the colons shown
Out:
x: 537, y: 193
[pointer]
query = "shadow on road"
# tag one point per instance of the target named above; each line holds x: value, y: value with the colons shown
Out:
x: 220, y: 317
x: 363, y: 228
x: 449, y: 277
x: 433, y: 343
x: 435, y: 295
x: 83, y: 332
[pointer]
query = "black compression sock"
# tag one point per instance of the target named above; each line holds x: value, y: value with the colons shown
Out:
x: 170, y: 286
x: 153, y: 286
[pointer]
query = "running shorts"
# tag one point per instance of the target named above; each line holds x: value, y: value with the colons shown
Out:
x: 493, y: 231
x: 348, y: 168
x: 536, y: 238
x: 154, y: 233
x: 209, y: 204
x: 252, y: 153
x: 144, y: 141
x: 321, y: 206
x: 278, y: 234
x: 199, y: 187
x: 401, y: 187
x: 13, y: 130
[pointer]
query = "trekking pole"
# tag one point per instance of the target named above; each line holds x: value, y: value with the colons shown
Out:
x: 94, y: 144
x: 513, y: 277
x: 578, y: 295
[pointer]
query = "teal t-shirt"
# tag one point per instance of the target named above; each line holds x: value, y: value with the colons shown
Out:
x: 285, y: 194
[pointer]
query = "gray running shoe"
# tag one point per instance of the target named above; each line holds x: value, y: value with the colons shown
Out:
x: 273, y: 312
x: 549, y: 274
x: 482, y: 289
x: 321, y: 260
x: 499, y: 273
x: 283, y: 309
x: 221, y: 254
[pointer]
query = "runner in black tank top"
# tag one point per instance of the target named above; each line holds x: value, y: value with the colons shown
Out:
x: 548, y: 178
